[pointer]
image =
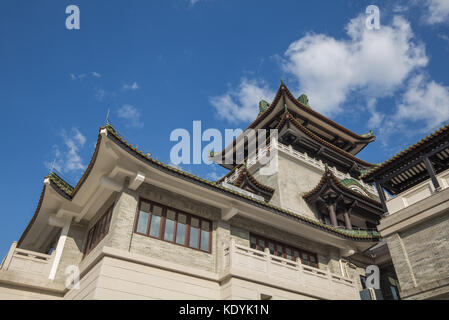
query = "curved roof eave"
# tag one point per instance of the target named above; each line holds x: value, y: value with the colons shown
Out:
x: 194, y: 179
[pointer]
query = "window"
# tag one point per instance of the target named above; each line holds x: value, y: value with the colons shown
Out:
x: 98, y: 231
x: 363, y: 281
x: 171, y: 225
x: 284, y: 251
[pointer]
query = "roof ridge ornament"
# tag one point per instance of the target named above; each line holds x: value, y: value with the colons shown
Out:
x: 263, y: 106
x: 368, y: 134
x: 303, y: 99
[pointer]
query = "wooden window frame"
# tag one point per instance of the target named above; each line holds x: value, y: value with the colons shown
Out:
x: 162, y: 225
x: 103, y: 226
x: 284, y: 247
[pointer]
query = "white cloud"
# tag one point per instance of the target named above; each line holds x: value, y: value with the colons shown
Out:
x: 425, y: 101
x: 133, y: 86
x: 443, y: 36
x: 374, y: 63
x: 376, y: 118
x: 242, y: 104
x: 437, y: 11
x: 67, y: 159
x: 131, y: 114
x: 193, y: 2
x: 83, y: 75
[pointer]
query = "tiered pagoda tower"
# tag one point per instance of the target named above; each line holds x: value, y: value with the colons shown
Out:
x: 318, y: 170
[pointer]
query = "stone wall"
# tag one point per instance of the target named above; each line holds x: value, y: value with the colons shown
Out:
x: 421, y: 254
x: 292, y: 181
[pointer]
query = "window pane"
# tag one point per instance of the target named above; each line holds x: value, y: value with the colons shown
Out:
x: 279, y: 250
x: 312, y: 258
x: 94, y: 235
x: 89, y: 239
x: 288, y: 252
x: 142, y: 223
x: 253, y: 242
x: 260, y: 245
x: 170, y: 226
x: 205, y: 226
x: 296, y: 254
x: 145, y: 206
x: 194, y: 232
x: 108, y: 221
x: 205, y: 235
x: 155, y: 221
x: 181, y: 229
x: 271, y: 247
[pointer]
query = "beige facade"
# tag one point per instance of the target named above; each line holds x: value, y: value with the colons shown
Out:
x: 128, y: 265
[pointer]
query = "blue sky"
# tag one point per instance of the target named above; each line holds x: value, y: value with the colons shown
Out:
x: 159, y: 65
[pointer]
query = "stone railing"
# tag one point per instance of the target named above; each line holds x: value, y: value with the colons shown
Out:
x: 417, y: 193
x: 264, y: 267
x: 31, y: 262
x: 303, y: 157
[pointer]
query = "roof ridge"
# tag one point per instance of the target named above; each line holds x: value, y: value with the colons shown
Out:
x: 405, y: 151
x: 288, y: 116
x: 329, y: 173
x: 253, y: 179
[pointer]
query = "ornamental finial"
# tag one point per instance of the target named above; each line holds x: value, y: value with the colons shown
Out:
x: 304, y: 100
x: 367, y: 135
x: 263, y: 106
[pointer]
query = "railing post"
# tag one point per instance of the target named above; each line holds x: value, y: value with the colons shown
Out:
x: 10, y: 255
x: 267, y: 259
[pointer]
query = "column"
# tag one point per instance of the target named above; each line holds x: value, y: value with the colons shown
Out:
x: 347, y: 221
x: 431, y: 172
x: 381, y: 193
x: 60, y: 247
x: 332, y: 214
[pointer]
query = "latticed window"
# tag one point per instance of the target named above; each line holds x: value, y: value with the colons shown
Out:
x: 99, y: 230
x: 168, y: 224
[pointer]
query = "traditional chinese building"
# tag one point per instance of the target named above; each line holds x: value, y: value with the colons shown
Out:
x: 416, y: 224
x: 136, y: 228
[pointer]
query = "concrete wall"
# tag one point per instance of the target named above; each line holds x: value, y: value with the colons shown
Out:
x: 240, y: 289
x: 127, y: 280
x: 12, y: 292
x: 88, y: 285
